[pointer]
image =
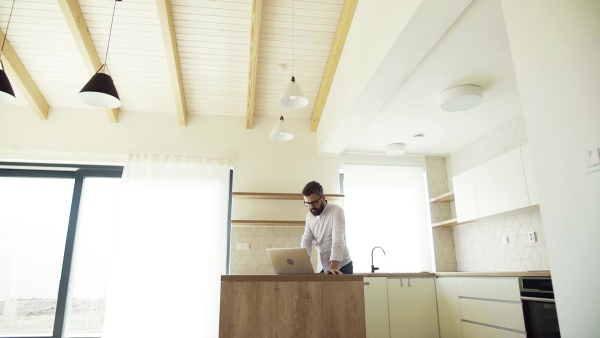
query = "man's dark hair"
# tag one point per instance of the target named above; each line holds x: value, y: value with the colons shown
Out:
x: 312, y: 188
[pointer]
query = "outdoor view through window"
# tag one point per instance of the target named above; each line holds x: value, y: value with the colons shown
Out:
x: 33, y: 230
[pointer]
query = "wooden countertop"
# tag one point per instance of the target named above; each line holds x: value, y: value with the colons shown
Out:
x: 291, y: 278
x: 495, y: 274
x: 360, y: 276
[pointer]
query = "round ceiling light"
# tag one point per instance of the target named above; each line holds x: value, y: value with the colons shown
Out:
x: 395, y: 149
x: 461, y: 98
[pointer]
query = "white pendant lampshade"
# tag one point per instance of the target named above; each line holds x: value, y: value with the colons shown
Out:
x: 281, y: 132
x: 461, y: 98
x: 395, y: 149
x: 293, y: 96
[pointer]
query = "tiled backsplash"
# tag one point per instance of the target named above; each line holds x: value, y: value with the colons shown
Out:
x: 479, y: 244
x: 255, y: 260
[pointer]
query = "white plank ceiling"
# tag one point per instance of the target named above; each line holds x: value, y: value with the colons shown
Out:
x: 213, y: 42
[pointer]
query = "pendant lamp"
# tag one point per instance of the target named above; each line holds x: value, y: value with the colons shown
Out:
x: 100, y: 91
x: 7, y: 94
x: 281, y: 132
x: 293, y: 96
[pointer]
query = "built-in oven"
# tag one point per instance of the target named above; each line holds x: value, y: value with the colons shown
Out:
x: 539, y: 308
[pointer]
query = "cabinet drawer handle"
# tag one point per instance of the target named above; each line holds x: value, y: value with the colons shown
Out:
x: 401, y: 284
x: 366, y: 283
x: 408, y: 281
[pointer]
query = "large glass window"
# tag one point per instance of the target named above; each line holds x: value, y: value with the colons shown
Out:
x: 91, y: 258
x: 56, y: 233
x: 386, y: 206
x: 33, y: 225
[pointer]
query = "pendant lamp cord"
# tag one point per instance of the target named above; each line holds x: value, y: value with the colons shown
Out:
x: 109, y: 34
x: 293, y: 63
x: 5, y: 34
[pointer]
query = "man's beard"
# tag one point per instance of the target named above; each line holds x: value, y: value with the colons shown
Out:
x: 317, y: 211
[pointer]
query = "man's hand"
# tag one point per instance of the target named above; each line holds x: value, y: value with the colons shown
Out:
x: 334, y: 268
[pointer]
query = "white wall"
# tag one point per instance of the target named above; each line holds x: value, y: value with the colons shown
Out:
x: 556, y: 47
x: 260, y: 165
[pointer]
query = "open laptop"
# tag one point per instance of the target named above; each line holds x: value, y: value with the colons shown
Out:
x: 290, y: 261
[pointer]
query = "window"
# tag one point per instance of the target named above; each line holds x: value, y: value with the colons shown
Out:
x: 386, y: 206
x: 42, y: 211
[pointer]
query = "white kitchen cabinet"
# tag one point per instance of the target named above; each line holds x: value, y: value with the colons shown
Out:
x: 500, y: 184
x: 448, y: 307
x: 529, y: 174
x: 503, y: 184
x: 465, y: 197
x: 490, y: 307
x: 412, y: 307
x: 376, y: 307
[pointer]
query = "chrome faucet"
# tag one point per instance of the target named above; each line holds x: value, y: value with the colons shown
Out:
x: 373, y: 268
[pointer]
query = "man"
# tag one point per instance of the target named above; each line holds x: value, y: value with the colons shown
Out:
x: 326, y: 225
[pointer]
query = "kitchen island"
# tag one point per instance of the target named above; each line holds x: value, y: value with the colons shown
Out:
x: 292, y: 306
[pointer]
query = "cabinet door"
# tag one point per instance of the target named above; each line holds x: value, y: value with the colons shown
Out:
x: 464, y: 196
x: 529, y: 175
x: 376, y: 307
x: 448, y: 307
x: 500, y: 184
x: 412, y: 308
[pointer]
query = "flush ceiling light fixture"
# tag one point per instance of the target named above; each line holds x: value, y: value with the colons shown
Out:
x: 293, y: 96
x: 7, y: 94
x: 281, y: 132
x: 100, y: 91
x: 395, y: 149
x: 461, y: 98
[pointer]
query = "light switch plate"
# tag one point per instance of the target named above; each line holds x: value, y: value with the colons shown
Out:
x: 592, y: 159
x: 504, y: 239
x: 243, y: 246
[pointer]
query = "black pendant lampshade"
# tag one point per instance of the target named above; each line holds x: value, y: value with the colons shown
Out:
x: 100, y: 91
x: 7, y: 94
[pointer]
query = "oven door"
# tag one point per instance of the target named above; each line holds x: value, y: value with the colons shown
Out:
x: 541, y: 320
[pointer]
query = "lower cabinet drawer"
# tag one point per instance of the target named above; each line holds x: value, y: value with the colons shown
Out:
x: 471, y: 330
x: 502, y: 314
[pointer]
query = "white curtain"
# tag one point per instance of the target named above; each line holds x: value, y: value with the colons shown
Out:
x: 170, y: 248
x: 387, y: 206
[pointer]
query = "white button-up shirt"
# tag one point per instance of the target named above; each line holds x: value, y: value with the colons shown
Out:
x: 328, y: 231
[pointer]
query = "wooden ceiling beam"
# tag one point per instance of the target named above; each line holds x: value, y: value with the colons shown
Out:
x: 337, y: 46
x: 165, y: 14
x: 254, y: 44
x: 84, y: 42
x: 19, y: 76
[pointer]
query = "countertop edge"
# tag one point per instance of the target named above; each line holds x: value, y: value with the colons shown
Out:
x: 360, y: 276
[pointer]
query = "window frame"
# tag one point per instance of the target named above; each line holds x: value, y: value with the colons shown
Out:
x: 79, y: 173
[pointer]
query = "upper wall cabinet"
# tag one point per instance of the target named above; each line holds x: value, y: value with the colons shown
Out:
x: 503, y: 184
x: 464, y: 196
x: 500, y: 184
x: 529, y: 175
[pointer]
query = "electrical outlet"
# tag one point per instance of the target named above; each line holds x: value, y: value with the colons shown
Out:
x: 504, y: 239
x: 532, y: 236
x: 243, y: 246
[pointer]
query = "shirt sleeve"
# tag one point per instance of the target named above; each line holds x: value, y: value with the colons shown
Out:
x: 338, y: 236
x: 307, y: 238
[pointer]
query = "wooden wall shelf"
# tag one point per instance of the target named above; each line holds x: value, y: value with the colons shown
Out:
x: 448, y: 223
x: 447, y: 197
x: 270, y: 223
x: 277, y: 196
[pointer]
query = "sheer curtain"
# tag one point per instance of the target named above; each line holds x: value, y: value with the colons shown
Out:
x: 170, y: 248
x: 387, y: 206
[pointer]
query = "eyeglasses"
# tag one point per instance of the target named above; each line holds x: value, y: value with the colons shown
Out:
x: 313, y: 203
